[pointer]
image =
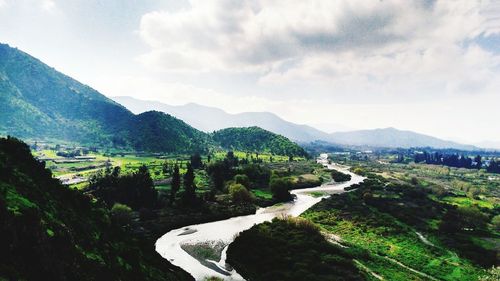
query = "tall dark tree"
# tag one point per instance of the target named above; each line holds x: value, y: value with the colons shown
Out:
x: 189, y: 185
x: 478, y: 161
x: 231, y: 160
x: 176, y: 183
x: 196, y: 162
x: 166, y: 168
x: 219, y: 172
x: 146, y: 192
x: 493, y: 167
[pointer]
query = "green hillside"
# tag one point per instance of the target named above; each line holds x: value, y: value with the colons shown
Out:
x: 36, y: 101
x: 257, y: 139
x: 51, y: 232
x: 149, y: 130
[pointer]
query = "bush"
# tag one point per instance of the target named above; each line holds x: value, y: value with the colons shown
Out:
x: 239, y: 193
x: 121, y: 214
x: 359, y: 171
x: 280, y: 188
x: 242, y: 179
x: 339, y: 176
x: 496, y: 222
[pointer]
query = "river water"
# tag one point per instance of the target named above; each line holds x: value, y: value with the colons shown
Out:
x: 225, y: 231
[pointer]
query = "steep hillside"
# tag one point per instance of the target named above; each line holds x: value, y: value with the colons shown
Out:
x: 158, y: 131
x: 209, y: 119
x: 36, y: 101
x: 51, y: 232
x: 391, y: 137
x: 257, y: 139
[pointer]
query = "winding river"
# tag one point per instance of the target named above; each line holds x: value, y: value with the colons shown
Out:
x: 223, y: 232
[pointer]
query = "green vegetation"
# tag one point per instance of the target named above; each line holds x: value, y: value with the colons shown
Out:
x: 270, y: 251
x: 121, y: 213
x: 135, y: 190
x: 239, y: 193
x: 41, y: 103
x: 52, y: 232
x: 255, y: 139
x: 399, y: 214
x: 339, y: 176
x: 405, y: 222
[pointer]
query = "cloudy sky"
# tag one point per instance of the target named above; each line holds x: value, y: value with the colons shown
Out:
x: 428, y: 66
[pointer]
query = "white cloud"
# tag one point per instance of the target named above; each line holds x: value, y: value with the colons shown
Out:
x: 376, y: 47
x: 48, y: 5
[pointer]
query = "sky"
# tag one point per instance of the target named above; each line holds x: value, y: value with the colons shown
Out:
x: 428, y: 66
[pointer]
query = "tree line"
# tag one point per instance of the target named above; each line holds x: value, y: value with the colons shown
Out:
x: 457, y: 161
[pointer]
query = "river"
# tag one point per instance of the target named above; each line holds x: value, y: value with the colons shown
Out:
x: 225, y: 231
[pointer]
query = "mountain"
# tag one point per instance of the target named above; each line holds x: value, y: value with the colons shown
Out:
x: 209, y: 119
x: 490, y: 145
x: 393, y: 138
x: 52, y: 232
x: 257, y: 139
x: 36, y: 101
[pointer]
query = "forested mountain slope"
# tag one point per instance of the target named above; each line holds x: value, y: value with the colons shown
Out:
x: 36, y: 101
x: 51, y: 232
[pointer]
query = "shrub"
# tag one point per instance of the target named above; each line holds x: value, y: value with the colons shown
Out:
x: 121, y: 214
x: 496, y: 222
x: 280, y: 188
x: 339, y: 176
x: 239, y: 193
x: 242, y: 179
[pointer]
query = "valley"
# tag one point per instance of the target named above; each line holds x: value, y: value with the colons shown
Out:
x: 91, y: 189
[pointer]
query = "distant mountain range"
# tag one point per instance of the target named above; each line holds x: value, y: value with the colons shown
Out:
x: 38, y: 102
x: 391, y: 137
x: 210, y: 119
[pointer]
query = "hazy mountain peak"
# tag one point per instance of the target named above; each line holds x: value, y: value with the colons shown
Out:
x: 210, y: 119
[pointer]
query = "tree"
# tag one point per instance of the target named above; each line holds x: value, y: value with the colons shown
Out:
x: 166, y: 168
x: 135, y: 190
x: 231, y: 160
x: 478, y: 162
x: 280, y: 188
x: 242, y: 179
x: 239, y: 193
x: 146, y: 192
x: 219, y: 171
x: 189, y: 186
x: 176, y: 183
x: 196, y: 162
